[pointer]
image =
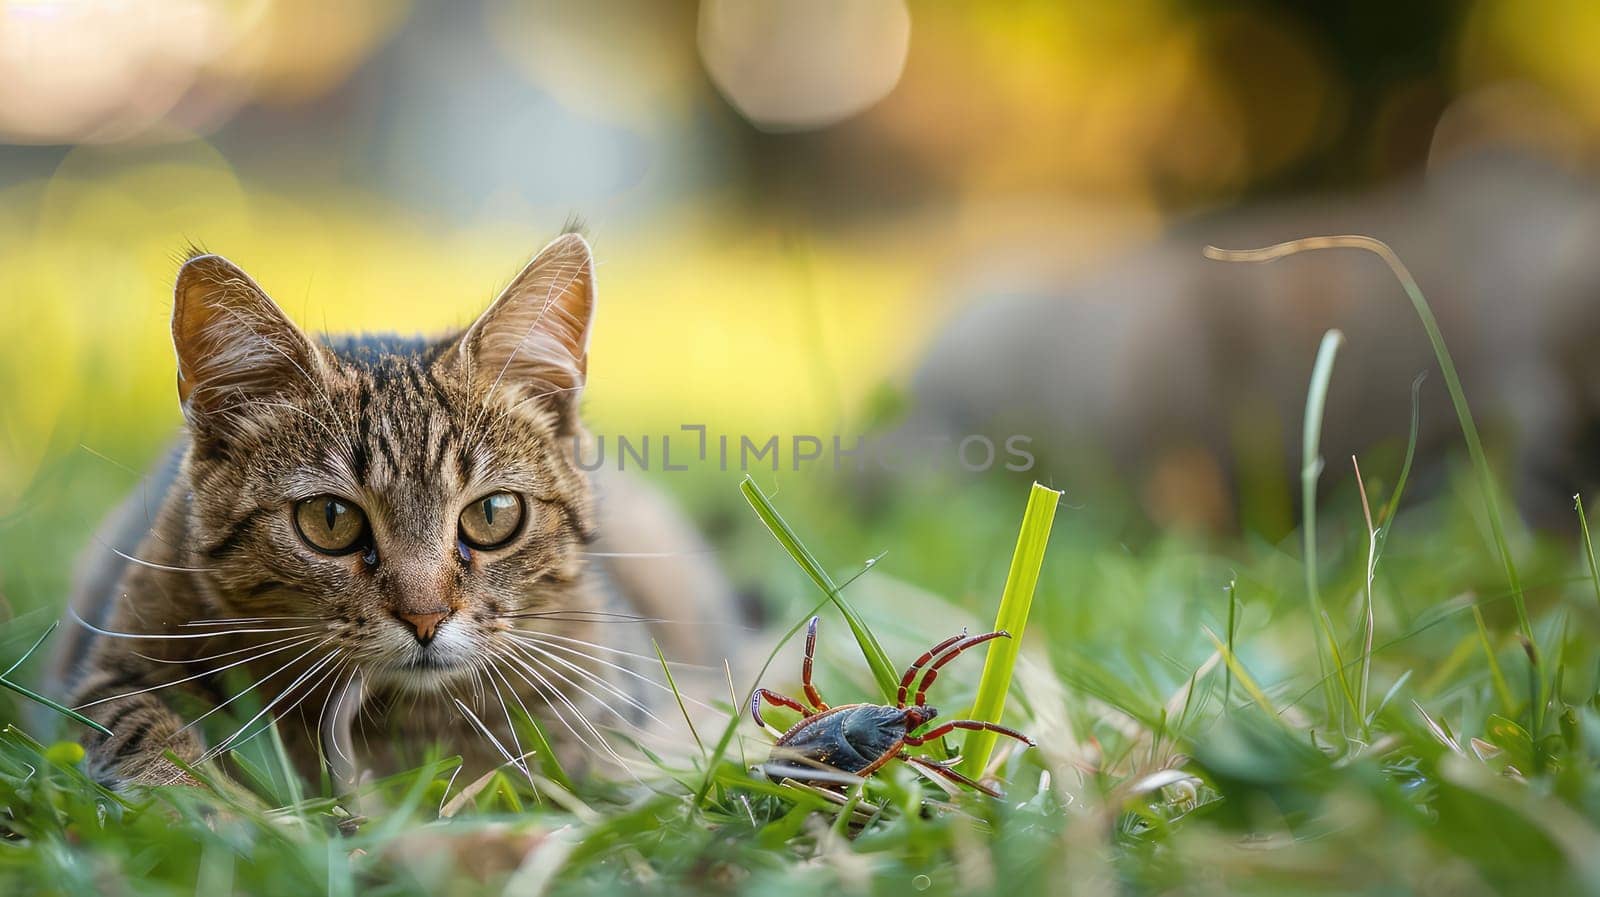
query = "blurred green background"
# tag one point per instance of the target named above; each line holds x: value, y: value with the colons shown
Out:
x: 786, y: 198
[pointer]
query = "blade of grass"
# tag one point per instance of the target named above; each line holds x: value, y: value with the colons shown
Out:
x: 1310, y: 471
x: 548, y: 761
x: 1386, y: 522
x: 285, y: 771
x: 666, y: 670
x: 1339, y: 664
x: 1246, y: 681
x: 37, y: 698
x: 1495, y: 674
x: 878, y: 661
x: 1588, y: 545
x: 1365, y: 677
x: 1015, y: 602
x: 1394, y: 689
x: 1458, y: 398
x: 1233, y: 607
x: 9, y: 733
x: 1377, y: 535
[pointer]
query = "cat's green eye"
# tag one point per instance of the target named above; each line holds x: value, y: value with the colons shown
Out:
x: 491, y: 521
x: 330, y: 524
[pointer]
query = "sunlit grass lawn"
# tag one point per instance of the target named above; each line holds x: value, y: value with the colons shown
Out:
x: 1188, y: 741
x: 1159, y: 768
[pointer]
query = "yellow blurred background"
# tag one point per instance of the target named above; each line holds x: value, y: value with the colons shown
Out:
x: 785, y: 196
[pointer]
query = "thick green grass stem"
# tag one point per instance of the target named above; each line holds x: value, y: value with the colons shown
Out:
x: 1015, y: 603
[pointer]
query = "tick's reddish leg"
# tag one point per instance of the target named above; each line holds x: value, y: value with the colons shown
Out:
x: 971, y: 725
x: 920, y: 662
x: 772, y: 697
x: 948, y: 773
x: 950, y: 654
x: 812, y: 695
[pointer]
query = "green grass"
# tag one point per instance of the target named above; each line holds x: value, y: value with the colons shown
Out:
x: 1488, y: 488
x: 1015, y: 602
x: 1189, y: 740
x: 1311, y: 464
x: 883, y: 671
x: 39, y: 699
x: 1264, y: 796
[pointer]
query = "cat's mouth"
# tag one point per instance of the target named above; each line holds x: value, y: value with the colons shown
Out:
x: 441, y: 662
x: 430, y: 661
x: 423, y: 671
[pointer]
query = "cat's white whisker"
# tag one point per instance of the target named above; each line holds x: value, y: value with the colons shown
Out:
x: 477, y: 683
x: 257, y: 684
x: 648, y: 658
x: 519, y: 760
x: 228, y: 742
x: 605, y: 686
x: 567, y: 680
x: 327, y: 678
x: 322, y: 713
x: 580, y: 615
x: 501, y: 654
x: 336, y: 729
x: 165, y: 568
x: 524, y: 637
x: 505, y: 710
x: 365, y: 711
x: 201, y: 675
x: 511, y: 726
x: 531, y: 646
x: 73, y: 612
x: 445, y: 797
x: 473, y: 718
x: 94, y: 452
x: 622, y: 762
x: 521, y: 666
x: 255, y: 647
x: 240, y: 620
x: 239, y: 736
x: 602, y: 616
x: 591, y: 696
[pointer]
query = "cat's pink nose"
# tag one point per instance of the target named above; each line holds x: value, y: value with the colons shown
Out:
x: 424, y: 625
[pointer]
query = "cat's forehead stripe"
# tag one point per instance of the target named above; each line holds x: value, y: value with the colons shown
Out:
x: 405, y: 417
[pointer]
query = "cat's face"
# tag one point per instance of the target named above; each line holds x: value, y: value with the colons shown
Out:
x: 409, y: 499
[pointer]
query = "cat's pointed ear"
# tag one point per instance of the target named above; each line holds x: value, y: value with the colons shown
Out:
x: 233, y: 342
x: 534, y: 340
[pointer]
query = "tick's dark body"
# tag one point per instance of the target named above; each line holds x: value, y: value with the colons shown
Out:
x: 854, y: 738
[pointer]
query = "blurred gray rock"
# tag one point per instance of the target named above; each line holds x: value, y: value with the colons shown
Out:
x: 1184, y: 379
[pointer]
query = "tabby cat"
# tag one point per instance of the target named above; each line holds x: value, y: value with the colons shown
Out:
x: 390, y: 538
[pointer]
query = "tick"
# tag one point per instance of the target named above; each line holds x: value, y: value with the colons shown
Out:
x: 859, y: 739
